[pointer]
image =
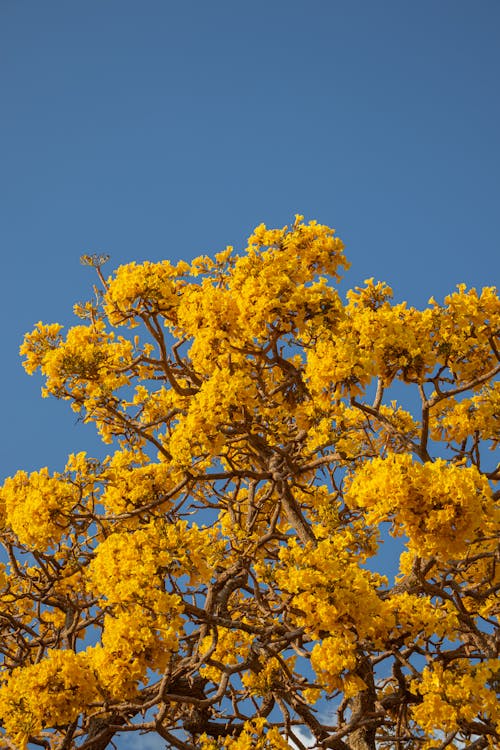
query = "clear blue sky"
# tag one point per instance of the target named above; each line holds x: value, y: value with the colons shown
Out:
x: 161, y: 129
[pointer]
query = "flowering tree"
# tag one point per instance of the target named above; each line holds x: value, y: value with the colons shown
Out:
x: 213, y: 579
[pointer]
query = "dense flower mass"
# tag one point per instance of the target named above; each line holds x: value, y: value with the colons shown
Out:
x: 218, y: 578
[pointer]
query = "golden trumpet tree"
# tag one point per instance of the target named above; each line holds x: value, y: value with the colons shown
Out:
x: 217, y: 579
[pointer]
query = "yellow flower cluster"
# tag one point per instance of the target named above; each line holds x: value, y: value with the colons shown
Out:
x: 37, y: 507
x: 371, y: 338
x: 374, y: 338
x: 40, y: 342
x: 130, y: 566
x: 88, y: 363
x: 230, y: 647
x: 254, y: 736
x: 327, y: 586
x: 133, y: 482
x: 336, y: 656
x: 138, y: 289
x: 456, y: 421
x: 209, y: 415
x: 454, y: 696
x: 145, y: 625
x: 422, y: 617
x: 269, y: 676
x: 467, y: 324
x: 441, y: 507
x: 50, y: 693
x: 133, y: 641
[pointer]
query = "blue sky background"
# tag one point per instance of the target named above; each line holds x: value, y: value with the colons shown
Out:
x: 166, y: 129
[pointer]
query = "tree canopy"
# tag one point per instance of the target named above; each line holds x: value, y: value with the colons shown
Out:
x: 218, y: 578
